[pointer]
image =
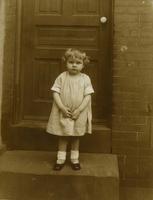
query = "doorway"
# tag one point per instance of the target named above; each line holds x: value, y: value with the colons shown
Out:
x: 46, y: 28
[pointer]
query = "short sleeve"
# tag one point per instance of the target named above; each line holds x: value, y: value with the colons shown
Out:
x: 88, y: 86
x: 57, y: 84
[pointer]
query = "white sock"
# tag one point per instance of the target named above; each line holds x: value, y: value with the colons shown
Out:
x: 74, y: 156
x: 61, y: 157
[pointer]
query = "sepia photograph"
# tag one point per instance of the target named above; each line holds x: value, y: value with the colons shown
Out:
x: 76, y: 99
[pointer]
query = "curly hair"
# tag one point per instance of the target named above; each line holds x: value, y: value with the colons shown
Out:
x: 75, y: 53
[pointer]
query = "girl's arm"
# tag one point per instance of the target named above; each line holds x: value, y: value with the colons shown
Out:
x: 60, y: 105
x: 83, y: 105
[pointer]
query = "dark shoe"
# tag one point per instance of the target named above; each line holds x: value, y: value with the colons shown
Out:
x: 75, y: 166
x: 58, y: 167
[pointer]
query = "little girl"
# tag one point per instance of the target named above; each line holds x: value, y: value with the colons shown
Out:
x: 71, y: 114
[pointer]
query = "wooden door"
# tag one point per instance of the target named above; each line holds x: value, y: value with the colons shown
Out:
x: 48, y: 28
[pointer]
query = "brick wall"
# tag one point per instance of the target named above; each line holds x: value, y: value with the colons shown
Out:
x: 132, y: 134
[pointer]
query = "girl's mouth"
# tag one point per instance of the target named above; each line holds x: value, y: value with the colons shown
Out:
x: 74, y: 70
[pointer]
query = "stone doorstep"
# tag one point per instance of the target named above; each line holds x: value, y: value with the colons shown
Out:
x: 29, y: 174
x: 42, y: 125
x: 22, y: 138
x: 15, y: 186
x: 2, y: 148
x: 41, y: 162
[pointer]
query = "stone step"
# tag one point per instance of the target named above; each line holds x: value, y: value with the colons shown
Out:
x: 28, y: 175
x: 32, y: 138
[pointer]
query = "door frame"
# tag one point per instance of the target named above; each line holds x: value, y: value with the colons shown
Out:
x: 9, y: 117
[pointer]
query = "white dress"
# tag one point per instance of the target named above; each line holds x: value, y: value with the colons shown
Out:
x: 72, y: 90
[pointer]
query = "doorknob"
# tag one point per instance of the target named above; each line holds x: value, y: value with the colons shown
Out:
x: 103, y: 20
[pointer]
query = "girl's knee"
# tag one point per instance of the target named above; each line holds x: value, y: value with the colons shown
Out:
x: 75, y: 143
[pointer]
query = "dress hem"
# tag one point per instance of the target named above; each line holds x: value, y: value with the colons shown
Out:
x: 68, y: 135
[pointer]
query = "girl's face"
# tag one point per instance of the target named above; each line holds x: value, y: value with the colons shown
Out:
x: 74, y: 65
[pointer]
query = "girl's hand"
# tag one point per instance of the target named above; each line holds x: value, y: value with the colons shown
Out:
x: 76, y: 114
x: 66, y: 112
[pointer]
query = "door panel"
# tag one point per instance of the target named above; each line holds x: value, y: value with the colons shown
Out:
x: 48, y: 28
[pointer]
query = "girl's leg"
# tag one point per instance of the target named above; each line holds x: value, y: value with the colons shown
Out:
x: 75, y: 150
x: 62, y: 143
x: 62, y: 146
x: 75, y: 142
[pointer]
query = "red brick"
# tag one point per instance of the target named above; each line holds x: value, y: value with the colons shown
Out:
x: 132, y: 167
x: 146, y: 166
x: 127, y: 3
x: 126, y: 18
x: 126, y: 150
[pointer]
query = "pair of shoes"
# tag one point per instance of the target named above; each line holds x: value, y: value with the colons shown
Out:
x: 75, y: 166
x: 58, y: 167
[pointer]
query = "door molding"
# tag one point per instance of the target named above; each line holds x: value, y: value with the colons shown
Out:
x: 16, y: 106
x: 8, y: 72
